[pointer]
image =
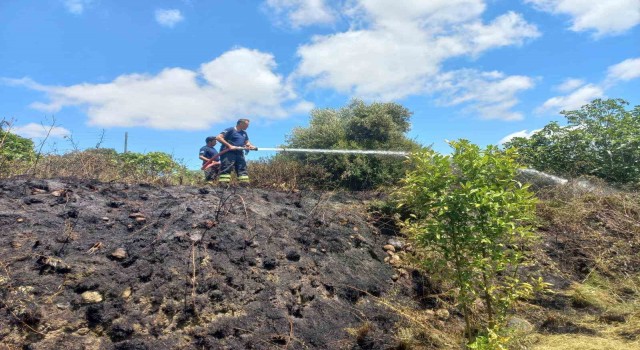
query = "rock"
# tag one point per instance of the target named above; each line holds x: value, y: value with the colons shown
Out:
x: 395, y: 260
x: 83, y: 331
x: 519, y: 325
x: 395, y: 277
x: 38, y: 191
x: 136, y: 215
x: 396, y: 243
x: 49, y: 263
x: 389, y: 248
x: 141, y: 219
x: 91, y: 297
x: 20, y: 220
x: 402, y: 272
x: 430, y: 313
x: 442, y: 314
x: 59, y: 193
x: 63, y: 305
x: 126, y: 293
x: 195, y: 236
x: 386, y: 259
x: 359, y: 238
x: 119, y: 253
x: 105, y: 219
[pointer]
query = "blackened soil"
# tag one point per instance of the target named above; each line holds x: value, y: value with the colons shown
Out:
x: 89, y: 265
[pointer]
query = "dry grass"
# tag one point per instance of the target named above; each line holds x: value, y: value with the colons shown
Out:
x: 582, y: 342
x: 592, y: 231
x: 591, y: 239
x: 108, y: 166
x: 282, y: 174
x: 99, y: 164
x: 590, y: 246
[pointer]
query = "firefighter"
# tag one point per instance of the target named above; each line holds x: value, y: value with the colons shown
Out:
x: 234, y: 141
x: 210, y: 157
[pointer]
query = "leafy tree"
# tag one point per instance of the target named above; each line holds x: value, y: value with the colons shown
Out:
x: 14, y: 147
x: 358, y: 126
x: 601, y: 139
x: 471, y: 216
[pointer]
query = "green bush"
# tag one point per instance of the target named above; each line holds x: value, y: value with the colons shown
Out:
x: 601, y: 139
x: 14, y: 147
x: 359, y: 126
x: 472, y: 217
x: 152, y: 164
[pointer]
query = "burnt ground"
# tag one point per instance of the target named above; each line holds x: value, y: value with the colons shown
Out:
x: 90, y: 265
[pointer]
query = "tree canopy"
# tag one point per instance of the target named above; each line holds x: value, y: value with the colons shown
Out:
x: 358, y: 126
x: 600, y: 139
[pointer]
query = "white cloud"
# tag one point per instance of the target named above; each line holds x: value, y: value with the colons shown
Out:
x: 508, y: 29
x: 303, y: 107
x: 168, y: 18
x: 570, y: 84
x: 434, y: 12
x: 522, y: 133
x: 33, y: 130
x: 578, y: 93
x: 626, y: 70
x: 605, y: 17
x: 491, y: 94
x: 395, y: 51
x: 76, y: 6
x: 241, y: 82
x: 574, y: 100
x: 301, y: 13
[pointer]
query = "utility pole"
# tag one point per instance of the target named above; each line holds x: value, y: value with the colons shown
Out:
x: 126, y: 139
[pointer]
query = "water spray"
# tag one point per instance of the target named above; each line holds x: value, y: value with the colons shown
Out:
x: 336, y: 151
x: 531, y: 175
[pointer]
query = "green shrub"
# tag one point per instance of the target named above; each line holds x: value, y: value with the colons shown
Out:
x: 601, y: 139
x: 14, y: 147
x: 152, y: 164
x: 377, y: 126
x: 471, y: 216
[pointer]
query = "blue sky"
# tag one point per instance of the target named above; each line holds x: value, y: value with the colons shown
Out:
x: 171, y: 73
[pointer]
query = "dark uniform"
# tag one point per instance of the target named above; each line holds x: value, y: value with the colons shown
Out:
x: 209, y: 153
x: 234, y: 159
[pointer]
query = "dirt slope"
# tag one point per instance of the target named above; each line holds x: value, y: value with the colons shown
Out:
x: 88, y: 265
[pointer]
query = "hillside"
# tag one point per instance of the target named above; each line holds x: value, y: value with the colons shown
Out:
x: 93, y: 265
x: 99, y: 266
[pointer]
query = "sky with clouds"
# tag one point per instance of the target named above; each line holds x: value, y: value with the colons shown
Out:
x: 170, y: 73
